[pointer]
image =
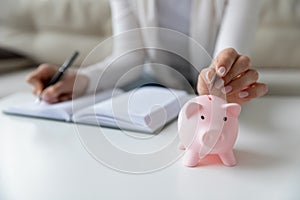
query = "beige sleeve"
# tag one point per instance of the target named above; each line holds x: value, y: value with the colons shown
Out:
x: 238, y: 26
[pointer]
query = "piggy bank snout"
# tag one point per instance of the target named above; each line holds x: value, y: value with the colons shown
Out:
x: 209, y: 136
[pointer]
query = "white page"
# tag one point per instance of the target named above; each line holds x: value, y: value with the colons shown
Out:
x: 143, y: 109
x: 60, y: 111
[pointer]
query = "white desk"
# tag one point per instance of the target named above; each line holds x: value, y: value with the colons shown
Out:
x: 42, y: 159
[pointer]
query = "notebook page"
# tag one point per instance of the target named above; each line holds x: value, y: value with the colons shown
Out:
x: 59, y: 111
x: 145, y: 108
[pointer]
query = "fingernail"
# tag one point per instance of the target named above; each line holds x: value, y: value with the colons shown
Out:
x: 221, y: 70
x: 219, y: 83
x: 243, y: 94
x: 226, y: 89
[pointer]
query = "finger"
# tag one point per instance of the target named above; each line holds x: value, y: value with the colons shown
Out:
x: 224, y: 61
x: 65, y: 97
x: 202, y: 88
x: 53, y: 92
x: 238, y: 84
x: 254, y: 91
x: 51, y: 101
x: 38, y: 87
x: 61, y: 98
x: 37, y: 83
x: 204, y: 80
x: 207, y: 74
x: 241, y: 65
x: 44, y: 71
x: 40, y: 76
x: 32, y: 76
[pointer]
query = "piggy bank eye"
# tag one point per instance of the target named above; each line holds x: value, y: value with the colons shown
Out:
x: 202, y: 117
x: 225, y: 119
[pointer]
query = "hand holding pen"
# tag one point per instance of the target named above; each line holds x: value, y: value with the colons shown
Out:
x: 53, y: 84
x: 58, y: 75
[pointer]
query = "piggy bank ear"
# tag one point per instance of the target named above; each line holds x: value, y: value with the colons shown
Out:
x: 187, y: 124
x: 192, y: 109
x: 232, y: 109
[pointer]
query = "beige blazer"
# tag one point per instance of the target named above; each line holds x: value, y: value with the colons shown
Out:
x: 215, y: 25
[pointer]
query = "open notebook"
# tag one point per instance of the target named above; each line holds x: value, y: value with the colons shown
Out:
x: 145, y: 109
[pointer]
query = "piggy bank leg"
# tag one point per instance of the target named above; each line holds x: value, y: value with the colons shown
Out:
x: 228, y: 158
x: 191, y: 158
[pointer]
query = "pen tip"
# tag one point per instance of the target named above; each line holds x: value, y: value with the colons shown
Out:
x: 37, y: 100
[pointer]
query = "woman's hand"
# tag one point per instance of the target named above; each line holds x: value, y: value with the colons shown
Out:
x: 63, y: 90
x: 235, y: 78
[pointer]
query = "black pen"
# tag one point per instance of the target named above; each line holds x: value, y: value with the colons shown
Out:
x: 57, y: 76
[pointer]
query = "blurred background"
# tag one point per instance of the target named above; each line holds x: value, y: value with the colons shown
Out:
x: 38, y: 31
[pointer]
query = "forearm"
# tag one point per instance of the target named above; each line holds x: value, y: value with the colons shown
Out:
x: 238, y: 26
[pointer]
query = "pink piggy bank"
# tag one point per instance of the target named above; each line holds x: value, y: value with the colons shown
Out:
x: 207, y: 124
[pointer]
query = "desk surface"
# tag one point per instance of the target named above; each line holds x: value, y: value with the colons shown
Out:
x: 41, y: 159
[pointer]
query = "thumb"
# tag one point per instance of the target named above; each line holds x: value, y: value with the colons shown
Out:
x: 204, y: 81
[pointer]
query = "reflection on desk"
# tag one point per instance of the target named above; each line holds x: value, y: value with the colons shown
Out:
x: 42, y: 159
